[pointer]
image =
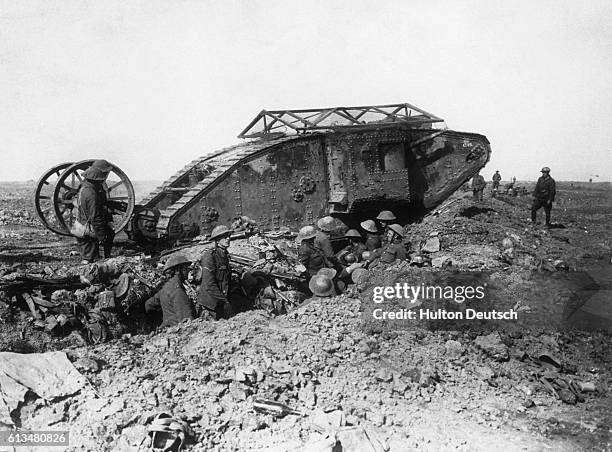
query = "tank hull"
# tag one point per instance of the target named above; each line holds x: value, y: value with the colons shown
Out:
x: 292, y: 181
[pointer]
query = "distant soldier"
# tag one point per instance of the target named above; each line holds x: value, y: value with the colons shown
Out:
x: 309, y: 255
x: 216, y: 275
x: 543, y: 195
x: 373, y: 240
x: 496, y: 180
x: 354, y: 250
x: 92, y: 209
x: 172, y: 299
x: 478, y: 186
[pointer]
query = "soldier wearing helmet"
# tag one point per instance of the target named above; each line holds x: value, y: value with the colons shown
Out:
x: 385, y: 218
x: 543, y: 195
x: 373, y: 240
x: 309, y: 255
x: 322, y: 286
x: 91, y: 207
x: 213, y: 297
x: 478, y: 186
x: 354, y: 250
x: 394, y: 249
x: 322, y: 239
x: 496, y: 180
x: 172, y: 300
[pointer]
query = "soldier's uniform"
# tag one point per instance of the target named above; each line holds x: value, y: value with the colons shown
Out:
x: 496, y: 180
x: 543, y: 196
x: 373, y: 242
x: 323, y: 242
x: 478, y: 186
x: 311, y: 257
x: 392, y: 252
x: 216, y: 280
x: 357, y: 249
x: 173, y: 302
x: 92, y: 209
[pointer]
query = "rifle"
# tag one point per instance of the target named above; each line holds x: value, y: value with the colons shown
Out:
x: 29, y: 283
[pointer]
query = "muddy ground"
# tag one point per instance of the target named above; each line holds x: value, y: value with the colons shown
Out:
x: 422, y: 385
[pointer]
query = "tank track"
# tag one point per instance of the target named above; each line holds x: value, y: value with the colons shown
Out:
x: 223, y: 161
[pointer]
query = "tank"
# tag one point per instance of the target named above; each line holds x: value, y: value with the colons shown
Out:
x: 295, y: 166
x: 299, y: 165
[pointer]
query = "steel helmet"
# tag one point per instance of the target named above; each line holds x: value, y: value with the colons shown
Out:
x: 397, y: 229
x: 369, y: 226
x: 307, y: 232
x: 386, y: 215
x: 326, y: 224
x: 92, y: 173
x: 360, y: 275
x: 329, y: 272
x: 353, y: 233
x: 546, y: 169
x: 176, y: 261
x: 321, y: 286
x: 350, y: 258
x: 102, y: 165
x: 220, y: 232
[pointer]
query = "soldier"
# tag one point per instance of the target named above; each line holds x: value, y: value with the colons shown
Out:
x: 92, y: 209
x: 322, y: 286
x: 478, y: 186
x: 496, y: 180
x: 373, y: 240
x: 216, y: 275
x: 309, y: 255
x: 355, y: 248
x: 385, y: 218
x: 322, y: 241
x: 395, y: 248
x: 172, y: 299
x: 543, y: 195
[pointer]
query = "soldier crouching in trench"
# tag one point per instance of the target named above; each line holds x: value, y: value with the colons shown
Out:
x: 172, y: 299
x: 213, y: 298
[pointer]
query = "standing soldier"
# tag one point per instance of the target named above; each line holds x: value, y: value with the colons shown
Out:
x: 543, y: 195
x: 496, y: 180
x: 478, y: 186
x: 372, y: 237
x: 92, y: 209
x: 216, y: 275
x: 172, y: 299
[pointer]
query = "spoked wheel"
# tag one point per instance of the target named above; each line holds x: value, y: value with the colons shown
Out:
x: 43, y: 199
x: 119, y: 193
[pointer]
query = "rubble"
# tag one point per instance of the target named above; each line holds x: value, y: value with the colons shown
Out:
x: 351, y: 384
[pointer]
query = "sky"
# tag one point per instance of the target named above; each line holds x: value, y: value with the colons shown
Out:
x: 151, y: 85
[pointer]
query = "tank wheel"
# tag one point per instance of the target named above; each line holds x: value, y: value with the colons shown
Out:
x: 43, y: 199
x: 119, y: 193
x: 307, y: 184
